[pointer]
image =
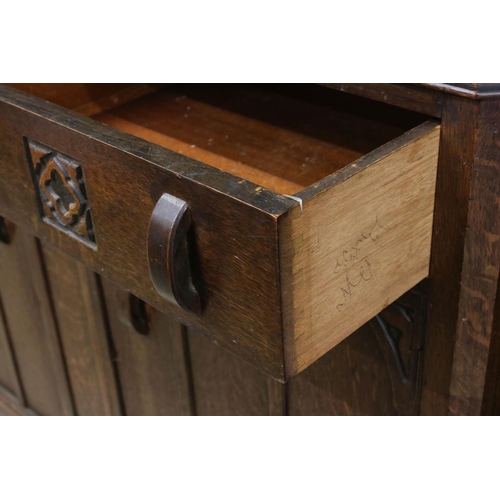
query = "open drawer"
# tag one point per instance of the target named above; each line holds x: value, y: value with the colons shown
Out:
x: 276, y: 220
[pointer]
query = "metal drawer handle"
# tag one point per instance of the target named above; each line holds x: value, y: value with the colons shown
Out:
x: 168, y: 253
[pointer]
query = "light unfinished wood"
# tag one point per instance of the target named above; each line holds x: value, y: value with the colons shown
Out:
x: 362, y: 240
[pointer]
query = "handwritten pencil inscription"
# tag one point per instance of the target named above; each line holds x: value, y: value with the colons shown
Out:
x: 354, y: 264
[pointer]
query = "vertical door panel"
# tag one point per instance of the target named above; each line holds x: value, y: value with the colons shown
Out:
x: 226, y: 385
x: 29, y: 316
x: 151, y: 356
x: 83, y: 330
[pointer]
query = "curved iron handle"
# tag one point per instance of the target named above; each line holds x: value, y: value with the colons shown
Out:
x: 168, y: 253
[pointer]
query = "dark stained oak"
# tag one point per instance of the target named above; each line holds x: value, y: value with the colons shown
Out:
x: 480, y: 268
x: 277, y: 397
x: 225, y: 385
x: 453, y: 186
x: 9, y: 377
x: 32, y: 327
x: 470, y: 90
x: 465, y: 259
x: 351, y: 379
x: 412, y: 97
x: 82, y: 325
x: 66, y: 349
x: 169, y: 253
x: 87, y: 98
x: 94, y: 189
x: 235, y: 225
x: 491, y: 401
x: 11, y: 407
x: 360, y: 376
x: 151, y: 359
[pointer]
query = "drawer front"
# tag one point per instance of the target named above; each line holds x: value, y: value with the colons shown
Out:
x: 119, y: 179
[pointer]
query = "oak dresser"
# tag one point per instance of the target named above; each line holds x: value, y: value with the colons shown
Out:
x: 238, y: 249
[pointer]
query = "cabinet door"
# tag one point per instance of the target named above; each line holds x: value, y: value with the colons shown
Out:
x: 28, y: 315
x: 151, y: 356
x: 80, y: 314
x: 54, y: 341
x: 9, y: 379
x: 375, y: 371
x: 226, y: 385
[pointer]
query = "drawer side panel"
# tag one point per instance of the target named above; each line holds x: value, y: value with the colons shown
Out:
x: 358, y: 245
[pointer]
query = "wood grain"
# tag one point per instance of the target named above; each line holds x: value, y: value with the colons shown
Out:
x: 82, y: 328
x: 234, y: 222
x: 352, y: 379
x: 28, y: 312
x: 491, y: 397
x: 239, y: 169
x: 277, y: 394
x: 480, y: 269
x: 408, y: 96
x: 462, y: 367
x: 283, y: 139
x: 154, y: 372
x: 227, y: 386
x: 87, y: 98
x: 470, y: 90
x: 453, y: 184
x: 9, y: 376
x: 358, y: 245
x: 359, y: 376
x: 11, y: 407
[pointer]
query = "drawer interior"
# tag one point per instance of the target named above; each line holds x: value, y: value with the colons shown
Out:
x: 284, y: 137
x: 281, y: 137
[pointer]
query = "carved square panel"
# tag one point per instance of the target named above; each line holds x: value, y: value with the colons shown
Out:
x: 61, y: 192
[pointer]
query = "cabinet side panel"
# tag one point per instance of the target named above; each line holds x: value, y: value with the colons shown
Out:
x: 28, y: 312
x: 358, y: 245
x: 82, y: 327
